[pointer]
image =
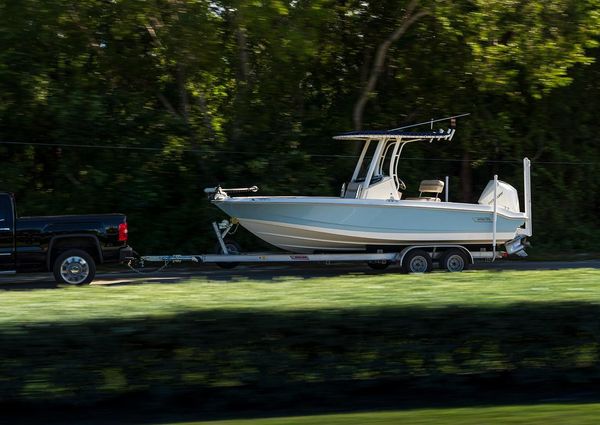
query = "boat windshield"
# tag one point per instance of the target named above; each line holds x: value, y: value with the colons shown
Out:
x: 365, y: 163
x: 381, y: 157
x: 386, y: 164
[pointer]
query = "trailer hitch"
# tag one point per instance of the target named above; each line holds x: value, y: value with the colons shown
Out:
x: 222, y: 229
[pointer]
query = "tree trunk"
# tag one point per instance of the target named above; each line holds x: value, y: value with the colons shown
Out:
x: 466, y: 179
x: 206, y: 115
x: 243, y: 79
x: 407, y: 21
x: 167, y: 104
x: 244, y: 68
x: 184, y: 104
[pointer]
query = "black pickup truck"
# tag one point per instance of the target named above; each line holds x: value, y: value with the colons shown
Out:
x: 70, y: 246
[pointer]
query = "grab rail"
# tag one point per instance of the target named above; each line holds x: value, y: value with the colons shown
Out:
x: 495, y: 214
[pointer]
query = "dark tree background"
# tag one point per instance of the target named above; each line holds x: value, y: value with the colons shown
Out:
x: 136, y: 106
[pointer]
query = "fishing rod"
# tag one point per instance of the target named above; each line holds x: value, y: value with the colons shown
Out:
x: 431, y: 121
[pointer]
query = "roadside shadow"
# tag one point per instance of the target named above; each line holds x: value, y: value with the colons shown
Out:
x: 269, y: 274
x: 28, y: 282
x: 116, y: 277
x: 275, y: 273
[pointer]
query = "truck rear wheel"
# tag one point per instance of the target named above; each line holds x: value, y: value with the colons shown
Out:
x: 74, y: 267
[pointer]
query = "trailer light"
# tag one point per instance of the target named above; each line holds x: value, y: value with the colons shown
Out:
x: 123, y: 232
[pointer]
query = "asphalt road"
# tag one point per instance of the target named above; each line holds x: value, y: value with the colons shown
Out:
x: 122, y: 276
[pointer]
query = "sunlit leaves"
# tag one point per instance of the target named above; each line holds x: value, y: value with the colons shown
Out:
x: 522, y: 47
x: 244, y: 92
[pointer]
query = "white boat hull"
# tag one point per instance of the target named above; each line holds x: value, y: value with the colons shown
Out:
x: 309, y: 224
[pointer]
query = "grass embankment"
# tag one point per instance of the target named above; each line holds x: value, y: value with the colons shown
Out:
x: 290, y: 293
x: 548, y: 414
x: 349, y: 342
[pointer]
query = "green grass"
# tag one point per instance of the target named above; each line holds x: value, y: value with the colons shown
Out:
x: 351, y: 341
x: 389, y: 290
x: 546, y: 414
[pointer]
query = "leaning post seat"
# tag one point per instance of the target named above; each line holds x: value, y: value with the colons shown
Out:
x: 429, y: 186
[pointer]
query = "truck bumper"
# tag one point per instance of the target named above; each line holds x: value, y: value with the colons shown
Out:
x: 126, y: 253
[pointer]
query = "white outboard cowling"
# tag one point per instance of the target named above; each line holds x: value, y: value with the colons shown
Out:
x: 506, y: 196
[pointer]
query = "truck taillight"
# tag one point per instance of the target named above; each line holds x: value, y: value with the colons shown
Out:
x: 123, y: 232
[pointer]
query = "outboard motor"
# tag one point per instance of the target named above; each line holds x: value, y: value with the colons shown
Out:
x: 506, y: 196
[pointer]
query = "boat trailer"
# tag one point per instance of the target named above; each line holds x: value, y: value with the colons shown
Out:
x: 422, y: 262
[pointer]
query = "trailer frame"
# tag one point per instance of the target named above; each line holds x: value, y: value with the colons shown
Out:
x: 226, y: 258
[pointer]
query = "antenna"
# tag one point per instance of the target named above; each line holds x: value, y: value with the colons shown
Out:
x: 431, y: 121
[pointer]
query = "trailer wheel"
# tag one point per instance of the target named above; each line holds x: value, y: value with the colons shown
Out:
x: 417, y: 261
x: 74, y: 267
x: 233, y: 248
x: 455, y: 260
x: 378, y: 265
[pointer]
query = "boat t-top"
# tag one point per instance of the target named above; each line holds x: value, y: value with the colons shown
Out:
x: 372, y: 213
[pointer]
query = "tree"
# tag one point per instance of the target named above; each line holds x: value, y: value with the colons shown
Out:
x: 150, y: 101
x: 411, y: 15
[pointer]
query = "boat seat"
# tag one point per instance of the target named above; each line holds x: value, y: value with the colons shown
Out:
x: 425, y: 198
x: 429, y: 186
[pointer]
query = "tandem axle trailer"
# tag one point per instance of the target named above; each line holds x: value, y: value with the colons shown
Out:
x: 418, y: 263
x: 412, y: 259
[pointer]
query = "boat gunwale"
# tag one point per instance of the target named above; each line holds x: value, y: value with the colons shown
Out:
x: 402, y: 203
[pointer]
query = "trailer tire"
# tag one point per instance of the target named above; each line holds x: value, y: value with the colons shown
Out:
x: 417, y: 261
x: 233, y: 248
x: 455, y: 260
x: 74, y: 267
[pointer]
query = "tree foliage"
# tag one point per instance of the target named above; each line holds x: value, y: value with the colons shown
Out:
x: 135, y: 106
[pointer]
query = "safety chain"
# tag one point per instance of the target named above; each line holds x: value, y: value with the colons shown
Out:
x: 140, y: 271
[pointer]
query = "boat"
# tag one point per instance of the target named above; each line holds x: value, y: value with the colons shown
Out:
x: 373, y: 215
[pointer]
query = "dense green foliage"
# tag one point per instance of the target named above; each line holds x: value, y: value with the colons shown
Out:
x: 346, y: 342
x: 187, y: 94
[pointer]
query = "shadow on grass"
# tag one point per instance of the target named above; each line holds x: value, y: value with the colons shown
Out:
x: 37, y: 281
x: 245, y: 363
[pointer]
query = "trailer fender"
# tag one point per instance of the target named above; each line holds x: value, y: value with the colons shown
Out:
x: 406, y: 250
